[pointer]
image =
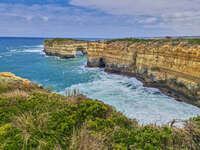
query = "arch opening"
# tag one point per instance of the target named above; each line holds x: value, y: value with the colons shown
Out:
x: 80, y: 51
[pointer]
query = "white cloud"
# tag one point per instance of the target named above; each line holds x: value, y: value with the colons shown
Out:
x: 120, y: 18
x: 138, y: 7
x: 54, y: 20
x: 180, y: 15
x: 147, y: 20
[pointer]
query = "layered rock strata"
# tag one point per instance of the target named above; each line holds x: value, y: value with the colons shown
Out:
x: 65, y: 48
x: 174, y: 68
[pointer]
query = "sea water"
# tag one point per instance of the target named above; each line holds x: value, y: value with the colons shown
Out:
x: 25, y: 57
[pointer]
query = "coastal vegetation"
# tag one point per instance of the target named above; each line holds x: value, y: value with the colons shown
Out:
x: 51, y: 41
x: 33, y: 118
x: 172, y: 41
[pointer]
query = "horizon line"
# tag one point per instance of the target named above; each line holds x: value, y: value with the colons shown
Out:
x: 94, y: 37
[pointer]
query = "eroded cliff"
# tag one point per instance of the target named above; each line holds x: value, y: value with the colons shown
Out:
x: 173, y: 66
x: 65, y: 48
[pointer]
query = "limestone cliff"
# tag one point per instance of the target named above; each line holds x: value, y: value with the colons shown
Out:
x: 65, y: 48
x: 173, y: 66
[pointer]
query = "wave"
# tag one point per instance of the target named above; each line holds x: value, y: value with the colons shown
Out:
x: 13, y: 50
x: 26, y: 49
x: 28, y: 46
x: 33, y: 51
x: 42, y: 46
x: 84, y: 69
x: 128, y: 95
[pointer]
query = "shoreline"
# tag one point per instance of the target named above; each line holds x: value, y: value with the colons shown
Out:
x: 170, y: 65
x: 164, y: 89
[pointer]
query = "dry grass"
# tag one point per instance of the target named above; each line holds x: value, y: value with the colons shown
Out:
x: 75, y: 100
x: 85, y: 140
x: 28, y: 122
x: 12, y: 85
x: 192, y: 137
x: 15, y: 94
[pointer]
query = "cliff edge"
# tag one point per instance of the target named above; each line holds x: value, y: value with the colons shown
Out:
x: 172, y: 65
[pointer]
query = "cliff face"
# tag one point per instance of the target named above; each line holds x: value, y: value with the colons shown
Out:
x: 65, y: 48
x: 174, y: 68
x: 96, y: 54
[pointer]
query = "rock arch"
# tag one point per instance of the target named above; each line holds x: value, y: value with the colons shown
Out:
x: 66, y: 48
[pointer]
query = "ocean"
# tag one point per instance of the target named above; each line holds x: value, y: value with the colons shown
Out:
x: 25, y: 58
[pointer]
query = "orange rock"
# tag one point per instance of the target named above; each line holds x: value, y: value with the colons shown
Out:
x: 8, y: 75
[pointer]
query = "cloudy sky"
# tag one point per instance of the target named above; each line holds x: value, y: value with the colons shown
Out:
x: 99, y: 18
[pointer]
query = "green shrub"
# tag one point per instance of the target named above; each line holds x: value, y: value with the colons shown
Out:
x: 90, y: 109
x: 39, y: 119
x: 10, y: 138
x: 155, y: 69
x: 101, y: 124
x: 196, y: 119
x: 194, y: 41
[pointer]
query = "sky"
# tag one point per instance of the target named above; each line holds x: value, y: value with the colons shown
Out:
x: 99, y: 18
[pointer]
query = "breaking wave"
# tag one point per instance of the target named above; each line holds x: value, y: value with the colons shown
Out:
x: 128, y: 95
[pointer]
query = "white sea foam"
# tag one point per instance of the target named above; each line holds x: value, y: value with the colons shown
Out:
x: 13, y: 50
x: 28, y: 46
x: 30, y: 49
x: 129, y: 96
x: 33, y: 51
x: 84, y: 68
x: 41, y: 46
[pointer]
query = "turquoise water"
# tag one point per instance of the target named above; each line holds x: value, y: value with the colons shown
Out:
x: 25, y: 58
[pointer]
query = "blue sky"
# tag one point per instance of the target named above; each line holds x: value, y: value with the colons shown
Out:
x: 99, y: 18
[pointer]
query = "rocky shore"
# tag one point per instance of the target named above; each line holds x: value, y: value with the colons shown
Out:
x: 172, y: 65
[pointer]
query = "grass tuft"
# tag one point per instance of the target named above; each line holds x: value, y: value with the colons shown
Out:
x: 16, y: 94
